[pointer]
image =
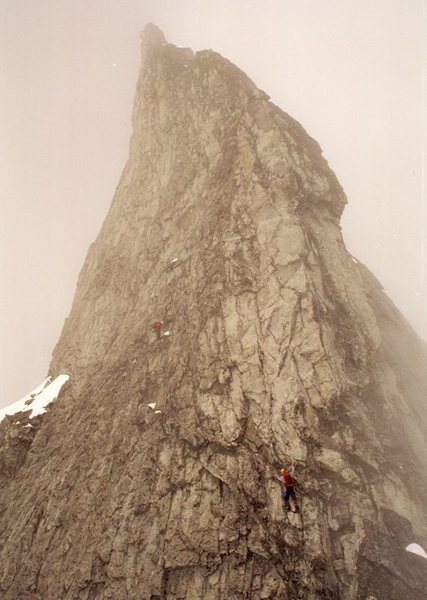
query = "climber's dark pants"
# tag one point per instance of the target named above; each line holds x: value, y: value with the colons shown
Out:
x: 289, y: 493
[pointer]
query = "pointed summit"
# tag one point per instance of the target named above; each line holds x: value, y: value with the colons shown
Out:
x: 152, y: 35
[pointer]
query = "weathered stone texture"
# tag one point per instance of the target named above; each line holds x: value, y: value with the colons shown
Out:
x: 281, y: 346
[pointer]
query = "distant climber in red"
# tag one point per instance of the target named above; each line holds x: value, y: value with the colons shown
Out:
x: 287, y: 478
x: 158, y: 326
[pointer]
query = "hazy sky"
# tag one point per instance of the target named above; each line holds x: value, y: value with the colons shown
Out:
x: 351, y: 71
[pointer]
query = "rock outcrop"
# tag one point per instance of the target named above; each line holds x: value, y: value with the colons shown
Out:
x: 280, y: 346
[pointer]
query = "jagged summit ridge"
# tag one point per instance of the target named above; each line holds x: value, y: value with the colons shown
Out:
x: 170, y: 68
x: 152, y: 475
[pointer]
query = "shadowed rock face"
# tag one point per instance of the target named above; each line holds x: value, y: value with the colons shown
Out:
x: 225, y: 225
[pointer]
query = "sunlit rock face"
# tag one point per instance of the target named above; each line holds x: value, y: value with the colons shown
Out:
x: 280, y: 346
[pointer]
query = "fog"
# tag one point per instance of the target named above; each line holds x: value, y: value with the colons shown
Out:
x: 350, y: 72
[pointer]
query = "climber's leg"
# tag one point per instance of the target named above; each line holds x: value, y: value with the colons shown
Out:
x: 286, y: 495
x: 294, y: 499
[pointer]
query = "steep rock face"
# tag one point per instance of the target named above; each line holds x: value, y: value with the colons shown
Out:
x: 225, y: 225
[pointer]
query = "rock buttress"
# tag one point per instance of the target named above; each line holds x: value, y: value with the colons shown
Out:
x: 225, y: 226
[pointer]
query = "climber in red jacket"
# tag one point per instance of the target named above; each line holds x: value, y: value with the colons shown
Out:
x: 158, y: 326
x: 287, y: 478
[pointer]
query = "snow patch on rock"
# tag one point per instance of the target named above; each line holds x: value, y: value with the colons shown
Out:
x: 416, y: 549
x: 37, y: 400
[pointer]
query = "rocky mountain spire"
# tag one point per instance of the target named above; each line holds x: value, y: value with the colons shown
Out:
x: 152, y: 36
x: 220, y: 331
